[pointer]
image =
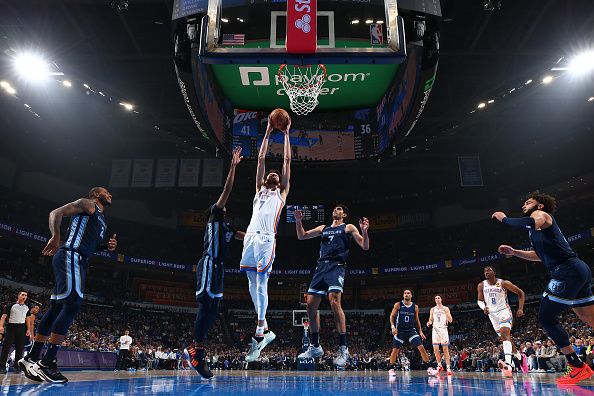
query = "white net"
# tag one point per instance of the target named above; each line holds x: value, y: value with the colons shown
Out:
x: 302, y: 85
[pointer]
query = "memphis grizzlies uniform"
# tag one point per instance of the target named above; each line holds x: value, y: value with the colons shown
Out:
x: 210, y: 270
x: 405, y: 323
x: 330, y: 269
x: 439, y: 335
x: 86, y: 235
x: 500, y: 313
x: 570, y: 276
x: 259, y: 241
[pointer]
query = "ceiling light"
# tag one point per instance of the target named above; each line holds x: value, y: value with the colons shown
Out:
x: 67, y: 83
x: 354, y: 21
x: 481, y: 105
x: 380, y: 22
x: 527, y: 82
x: 591, y: 99
x: 368, y: 21
x: 224, y: 20
x: 582, y: 63
x: 4, y: 84
x: 547, y: 79
x: 10, y: 90
x: 31, y: 66
x: 491, y: 101
x: 127, y: 106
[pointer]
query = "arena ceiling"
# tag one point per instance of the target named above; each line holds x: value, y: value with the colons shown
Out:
x: 128, y: 54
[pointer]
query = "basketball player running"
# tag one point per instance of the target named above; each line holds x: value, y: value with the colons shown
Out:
x: 86, y: 235
x: 328, y: 278
x: 406, y: 329
x: 272, y: 189
x: 439, y: 317
x: 210, y: 271
x: 569, y: 286
x: 492, y: 299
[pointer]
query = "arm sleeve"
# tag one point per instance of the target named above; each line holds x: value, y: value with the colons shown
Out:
x: 520, y: 222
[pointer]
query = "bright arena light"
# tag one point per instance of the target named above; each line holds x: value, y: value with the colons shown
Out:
x: 354, y: 21
x: 31, y: 66
x: 4, y: 84
x: 547, y: 79
x: 127, y: 106
x: 10, y: 90
x: 368, y: 21
x: 491, y: 101
x: 591, y: 99
x: 527, y: 82
x: 481, y: 105
x: 67, y: 83
x: 582, y: 63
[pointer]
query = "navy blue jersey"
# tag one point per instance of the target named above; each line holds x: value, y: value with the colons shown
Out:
x: 218, y: 235
x: 86, y: 233
x: 406, y: 319
x: 335, y: 244
x: 551, y: 246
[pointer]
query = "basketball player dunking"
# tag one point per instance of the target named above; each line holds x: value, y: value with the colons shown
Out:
x: 406, y: 316
x: 570, y: 284
x: 329, y: 275
x: 272, y: 189
x: 210, y: 271
x: 86, y: 235
x: 439, y: 317
x: 492, y: 299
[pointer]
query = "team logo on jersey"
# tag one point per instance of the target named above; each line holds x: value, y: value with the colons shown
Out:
x: 556, y: 286
x: 228, y: 236
x: 341, y: 280
x: 498, y: 284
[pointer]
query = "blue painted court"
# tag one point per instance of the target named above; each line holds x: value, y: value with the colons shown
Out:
x: 264, y: 383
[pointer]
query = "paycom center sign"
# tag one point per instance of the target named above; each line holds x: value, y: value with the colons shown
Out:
x: 346, y: 86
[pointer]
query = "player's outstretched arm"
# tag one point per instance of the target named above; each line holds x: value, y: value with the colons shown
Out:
x: 521, y: 296
x: 481, y: 299
x: 82, y: 205
x: 261, y: 168
x: 286, y: 177
x: 301, y: 233
x: 235, y: 160
x: 529, y: 255
x: 536, y: 221
x: 418, y: 321
x: 393, y: 314
x: 448, y: 315
x: 430, y: 321
x: 239, y: 235
x: 362, y: 238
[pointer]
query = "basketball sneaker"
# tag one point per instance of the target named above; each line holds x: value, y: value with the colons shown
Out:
x: 312, y: 352
x: 256, y: 347
x: 49, y: 373
x: 26, y: 364
x: 341, y: 356
x: 575, y: 375
x: 392, y: 372
x: 197, y: 359
x: 505, y: 368
x: 432, y: 371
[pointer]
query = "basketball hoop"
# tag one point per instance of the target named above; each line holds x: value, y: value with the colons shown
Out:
x: 302, y: 85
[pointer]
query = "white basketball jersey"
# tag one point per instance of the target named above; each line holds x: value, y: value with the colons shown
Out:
x: 268, y: 205
x: 495, y: 296
x: 440, y: 320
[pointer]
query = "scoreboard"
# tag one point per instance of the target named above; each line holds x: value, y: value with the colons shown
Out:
x: 311, y: 213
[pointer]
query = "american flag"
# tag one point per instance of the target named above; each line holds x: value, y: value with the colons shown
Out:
x: 233, y: 39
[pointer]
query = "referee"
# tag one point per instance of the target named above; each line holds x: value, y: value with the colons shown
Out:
x: 17, y: 329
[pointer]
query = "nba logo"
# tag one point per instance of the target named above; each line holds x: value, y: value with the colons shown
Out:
x: 375, y: 30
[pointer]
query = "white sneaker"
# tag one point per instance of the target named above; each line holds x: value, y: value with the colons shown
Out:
x: 341, y: 356
x: 256, y: 347
x: 392, y: 373
x: 312, y: 352
x: 432, y: 371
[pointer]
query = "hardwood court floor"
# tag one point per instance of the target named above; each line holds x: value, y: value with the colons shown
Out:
x: 293, y: 383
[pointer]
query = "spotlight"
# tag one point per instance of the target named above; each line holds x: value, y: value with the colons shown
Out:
x: 354, y: 21
x: 582, y: 63
x: 67, y: 83
x: 379, y: 22
x: 491, y: 101
x: 224, y: 20
x: 4, y: 84
x: 591, y: 99
x: 368, y: 21
x: 32, y: 67
x: 10, y: 90
x: 481, y: 105
x: 527, y: 82
x: 127, y: 106
x: 547, y: 79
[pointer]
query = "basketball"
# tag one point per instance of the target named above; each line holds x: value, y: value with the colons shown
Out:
x: 279, y: 118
